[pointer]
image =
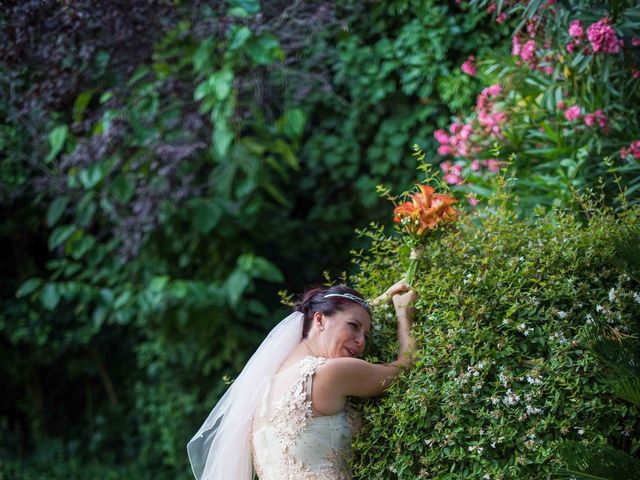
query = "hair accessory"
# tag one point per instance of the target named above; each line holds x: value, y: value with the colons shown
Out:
x: 354, y: 298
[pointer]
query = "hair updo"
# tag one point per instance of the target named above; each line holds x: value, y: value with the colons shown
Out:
x: 313, y: 301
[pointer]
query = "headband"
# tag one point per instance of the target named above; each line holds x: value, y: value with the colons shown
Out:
x: 353, y: 298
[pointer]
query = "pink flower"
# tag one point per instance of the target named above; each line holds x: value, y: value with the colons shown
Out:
x: 571, y: 47
x: 633, y: 149
x: 473, y: 200
x: 501, y: 18
x: 475, y: 165
x: 516, y: 46
x: 444, y: 150
x: 601, y: 118
x: 635, y: 73
x: 445, y: 167
x: 635, y: 41
x: 528, y: 53
x: 589, y: 119
x: 452, y: 179
x: 456, y: 169
x: 492, y: 164
x: 469, y: 66
x: 494, y: 89
x: 575, y: 29
x: 603, y: 37
x: 465, y: 133
x: 441, y: 136
x: 455, y: 128
x: 561, y: 105
x: 572, y: 113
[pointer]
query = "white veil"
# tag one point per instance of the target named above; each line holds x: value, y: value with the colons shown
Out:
x: 220, y: 449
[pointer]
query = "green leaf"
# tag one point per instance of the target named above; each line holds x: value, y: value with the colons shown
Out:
x: 206, y: 216
x: 238, y: 36
x: 50, y: 296
x: 235, y: 286
x: 92, y: 175
x: 222, y: 138
x: 292, y: 123
x: 221, y: 83
x: 259, y: 267
x: 57, y: 137
x: 123, y: 187
x: 28, y: 287
x: 60, y: 235
x: 264, y: 50
x: 243, y: 8
x: 81, y: 103
x: 203, y: 54
x: 56, y: 209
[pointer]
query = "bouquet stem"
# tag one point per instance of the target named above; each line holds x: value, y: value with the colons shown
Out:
x: 414, y: 260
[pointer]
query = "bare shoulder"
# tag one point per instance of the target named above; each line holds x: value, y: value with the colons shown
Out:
x: 355, y: 377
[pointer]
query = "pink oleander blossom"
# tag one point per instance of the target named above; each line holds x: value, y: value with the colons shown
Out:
x: 575, y: 29
x: 516, y: 46
x: 501, y: 18
x: 475, y: 165
x: 589, y: 119
x: 635, y: 73
x: 445, y: 167
x: 452, y: 179
x: 633, y: 149
x: 603, y: 38
x: 528, y: 53
x: 473, y: 200
x: 441, y: 136
x: 601, y: 118
x: 492, y: 164
x: 444, y: 150
x: 635, y: 42
x: 570, y: 47
x: 469, y: 66
x: 572, y: 113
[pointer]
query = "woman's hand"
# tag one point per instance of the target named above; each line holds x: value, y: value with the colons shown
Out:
x: 396, y: 288
x: 403, y: 303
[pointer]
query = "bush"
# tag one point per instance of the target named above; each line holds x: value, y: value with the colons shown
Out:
x: 506, y: 312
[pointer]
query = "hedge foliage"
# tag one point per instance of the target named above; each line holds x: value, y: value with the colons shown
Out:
x: 507, y: 312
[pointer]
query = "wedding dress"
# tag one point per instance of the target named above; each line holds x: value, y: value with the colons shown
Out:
x: 288, y: 441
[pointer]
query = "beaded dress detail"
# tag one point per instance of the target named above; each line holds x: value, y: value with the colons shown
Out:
x: 288, y: 442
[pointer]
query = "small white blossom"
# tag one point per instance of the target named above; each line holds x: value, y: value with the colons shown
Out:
x: 510, y: 398
x: 580, y: 431
x: 612, y: 294
x: 636, y: 297
x: 533, y: 411
x: 599, y: 308
x: 562, y: 314
x: 589, y: 319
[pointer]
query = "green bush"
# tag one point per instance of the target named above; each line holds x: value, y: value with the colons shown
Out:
x: 506, y: 311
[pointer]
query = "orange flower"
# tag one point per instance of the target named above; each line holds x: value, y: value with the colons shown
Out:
x: 426, y: 211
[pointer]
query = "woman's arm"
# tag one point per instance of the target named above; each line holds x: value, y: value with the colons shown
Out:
x: 355, y: 377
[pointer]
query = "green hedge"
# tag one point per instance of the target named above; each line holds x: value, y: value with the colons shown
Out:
x: 506, y: 312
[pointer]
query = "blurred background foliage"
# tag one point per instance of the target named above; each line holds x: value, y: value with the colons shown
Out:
x: 170, y: 166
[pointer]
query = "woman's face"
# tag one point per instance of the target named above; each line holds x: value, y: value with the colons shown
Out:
x: 345, y: 333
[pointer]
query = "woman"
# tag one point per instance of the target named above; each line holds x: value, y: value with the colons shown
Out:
x: 285, y: 414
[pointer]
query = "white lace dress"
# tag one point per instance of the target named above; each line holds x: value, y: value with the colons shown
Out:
x: 288, y: 442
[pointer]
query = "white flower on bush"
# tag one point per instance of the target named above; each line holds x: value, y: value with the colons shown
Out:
x: 475, y: 449
x: 533, y: 410
x: 589, y: 319
x: 562, y: 314
x: 534, y: 380
x: 636, y: 297
x: 504, y: 380
x: 612, y: 294
x: 599, y: 308
x: 510, y: 398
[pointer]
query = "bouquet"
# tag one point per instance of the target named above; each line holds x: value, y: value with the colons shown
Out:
x: 421, y: 218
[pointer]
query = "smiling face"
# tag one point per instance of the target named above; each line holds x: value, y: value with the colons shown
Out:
x: 345, y: 332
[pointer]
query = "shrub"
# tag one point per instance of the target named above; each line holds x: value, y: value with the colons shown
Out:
x: 506, y: 311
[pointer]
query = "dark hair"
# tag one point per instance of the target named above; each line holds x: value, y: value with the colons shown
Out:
x: 313, y: 301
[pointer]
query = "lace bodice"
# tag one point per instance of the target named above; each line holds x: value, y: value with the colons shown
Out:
x: 288, y: 442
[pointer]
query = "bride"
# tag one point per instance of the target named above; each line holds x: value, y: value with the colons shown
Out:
x: 285, y: 416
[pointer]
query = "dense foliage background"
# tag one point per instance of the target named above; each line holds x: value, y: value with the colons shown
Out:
x: 170, y: 166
